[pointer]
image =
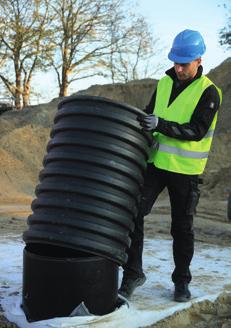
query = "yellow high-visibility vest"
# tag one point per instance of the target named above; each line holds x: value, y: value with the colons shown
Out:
x: 181, y: 156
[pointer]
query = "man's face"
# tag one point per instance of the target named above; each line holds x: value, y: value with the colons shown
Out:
x: 187, y: 71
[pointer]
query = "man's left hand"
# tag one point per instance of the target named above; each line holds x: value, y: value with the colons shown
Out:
x: 148, y: 122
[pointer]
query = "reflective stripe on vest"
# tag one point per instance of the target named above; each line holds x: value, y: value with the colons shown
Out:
x: 181, y: 156
x: 181, y: 152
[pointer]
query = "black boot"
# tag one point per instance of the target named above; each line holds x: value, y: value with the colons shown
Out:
x: 182, y: 293
x: 128, y: 285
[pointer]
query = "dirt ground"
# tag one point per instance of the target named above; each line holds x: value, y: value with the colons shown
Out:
x: 211, y: 226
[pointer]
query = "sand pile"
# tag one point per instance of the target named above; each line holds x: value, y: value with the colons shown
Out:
x: 202, y: 315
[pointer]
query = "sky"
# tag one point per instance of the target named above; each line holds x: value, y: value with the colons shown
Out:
x: 149, y: 304
x: 166, y: 19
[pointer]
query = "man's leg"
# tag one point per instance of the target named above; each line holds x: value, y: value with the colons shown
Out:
x: 133, y: 275
x: 184, y: 196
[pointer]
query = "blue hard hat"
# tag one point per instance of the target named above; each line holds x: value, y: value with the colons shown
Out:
x: 187, y: 46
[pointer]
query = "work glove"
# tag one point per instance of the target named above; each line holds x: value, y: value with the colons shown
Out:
x: 148, y: 122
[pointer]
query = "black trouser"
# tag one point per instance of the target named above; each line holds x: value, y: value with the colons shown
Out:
x: 184, y: 195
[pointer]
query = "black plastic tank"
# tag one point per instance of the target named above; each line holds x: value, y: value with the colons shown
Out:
x: 90, y: 185
x: 57, y: 280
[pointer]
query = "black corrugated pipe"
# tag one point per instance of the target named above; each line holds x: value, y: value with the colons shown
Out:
x: 56, y: 281
x: 93, y: 172
x: 84, y: 212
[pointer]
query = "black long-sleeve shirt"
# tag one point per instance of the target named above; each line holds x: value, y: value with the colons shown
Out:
x: 202, y: 116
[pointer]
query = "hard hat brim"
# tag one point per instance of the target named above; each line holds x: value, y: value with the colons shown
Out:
x: 180, y: 59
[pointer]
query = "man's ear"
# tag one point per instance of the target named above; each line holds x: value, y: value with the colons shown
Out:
x: 199, y: 61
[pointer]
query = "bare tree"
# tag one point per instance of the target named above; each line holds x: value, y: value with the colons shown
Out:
x: 225, y: 32
x: 24, y: 44
x: 95, y: 37
x: 77, y: 38
x: 80, y: 40
x: 131, y: 56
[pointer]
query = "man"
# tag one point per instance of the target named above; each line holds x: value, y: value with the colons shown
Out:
x: 182, y: 115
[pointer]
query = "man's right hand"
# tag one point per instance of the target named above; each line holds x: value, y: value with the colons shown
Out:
x: 148, y: 122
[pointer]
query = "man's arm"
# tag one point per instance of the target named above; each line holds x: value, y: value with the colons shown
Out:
x: 200, y: 121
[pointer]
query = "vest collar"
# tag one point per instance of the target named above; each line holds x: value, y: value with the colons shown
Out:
x: 171, y: 72
x: 178, y: 86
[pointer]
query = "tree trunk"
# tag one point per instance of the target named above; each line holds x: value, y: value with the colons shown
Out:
x: 26, y: 94
x: 18, y: 89
x: 63, y: 92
